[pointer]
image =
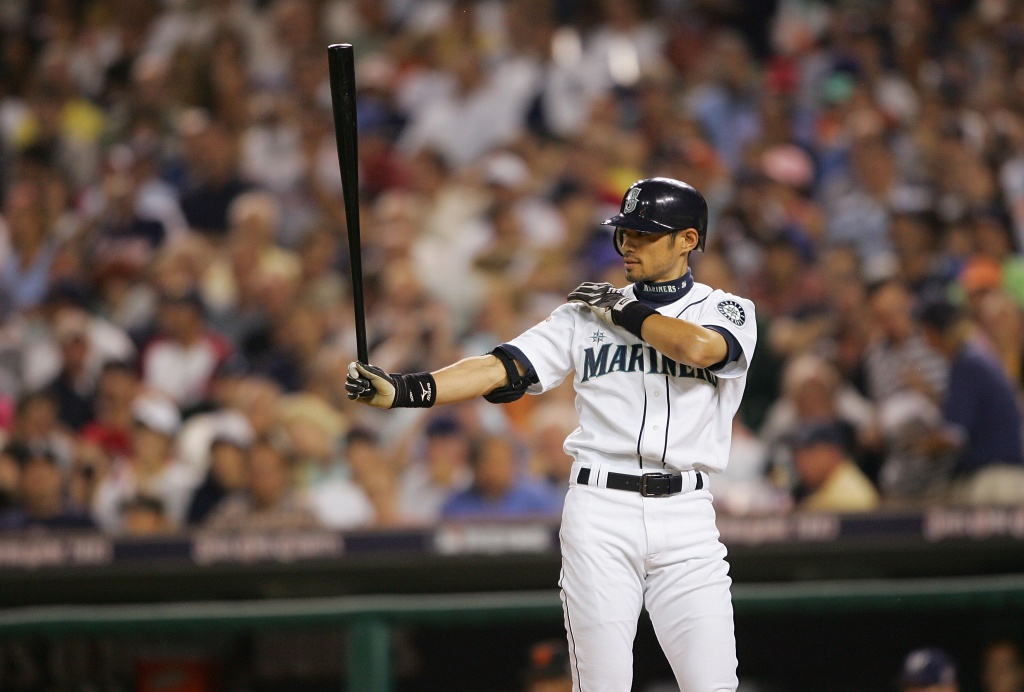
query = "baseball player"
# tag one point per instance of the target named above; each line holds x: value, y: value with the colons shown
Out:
x: 659, y: 369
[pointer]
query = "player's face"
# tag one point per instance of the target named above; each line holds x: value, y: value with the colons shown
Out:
x: 656, y: 256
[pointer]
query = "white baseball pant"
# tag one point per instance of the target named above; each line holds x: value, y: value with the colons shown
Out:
x: 620, y: 551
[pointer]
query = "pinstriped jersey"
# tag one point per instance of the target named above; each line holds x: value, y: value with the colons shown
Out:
x: 637, y: 407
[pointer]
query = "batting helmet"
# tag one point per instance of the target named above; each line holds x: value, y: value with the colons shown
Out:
x: 661, y: 205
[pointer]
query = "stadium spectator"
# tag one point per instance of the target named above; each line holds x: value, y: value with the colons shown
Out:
x: 928, y: 670
x: 151, y: 469
x: 473, y: 110
x: 373, y: 476
x: 441, y: 471
x: 122, y: 235
x: 744, y: 488
x: 268, y: 502
x: 144, y: 516
x: 995, y: 242
x: 67, y: 311
x: 181, y: 360
x: 89, y: 468
x: 36, y: 426
x: 329, y: 477
x: 25, y: 273
x: 253, y: 222
x: 981, y: 418
x: 1001, y: 321
x: 111, y: 427
x: 74, y: 386
x: 900, y: 359
x: 256, y: 398
x: 226, y: 474
x: 813, y: 391
x: 42, y: 495
x: 830, y: 479
x: 1002, y: 667
x: 500, y: 490
x: 214, y: 180
x: 549, y: 425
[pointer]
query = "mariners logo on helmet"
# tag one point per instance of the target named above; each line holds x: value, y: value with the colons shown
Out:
x: 661, y: 205
x: 632, y: 197
x: 733, y: 312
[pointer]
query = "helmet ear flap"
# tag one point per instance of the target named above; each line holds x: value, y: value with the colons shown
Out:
x: 618, y: 238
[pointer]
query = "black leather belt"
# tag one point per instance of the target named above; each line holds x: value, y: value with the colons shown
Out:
x: 648, y: 485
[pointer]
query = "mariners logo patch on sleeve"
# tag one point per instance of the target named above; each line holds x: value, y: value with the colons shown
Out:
x: 733, y: 312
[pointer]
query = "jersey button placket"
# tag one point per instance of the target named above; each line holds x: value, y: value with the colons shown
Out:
x: 652, y: 443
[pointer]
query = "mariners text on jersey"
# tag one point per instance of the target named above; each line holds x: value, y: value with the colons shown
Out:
x: 630, y: 358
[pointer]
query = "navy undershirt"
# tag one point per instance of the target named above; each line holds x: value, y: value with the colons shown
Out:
x: 663, y: 292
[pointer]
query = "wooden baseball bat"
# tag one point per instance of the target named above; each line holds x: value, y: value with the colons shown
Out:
x: 341, y: 61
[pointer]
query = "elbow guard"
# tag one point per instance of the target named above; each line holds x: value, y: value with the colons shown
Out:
x: 516, y: 386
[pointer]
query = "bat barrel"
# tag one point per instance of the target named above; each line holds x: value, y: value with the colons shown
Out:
x: 341, y: 62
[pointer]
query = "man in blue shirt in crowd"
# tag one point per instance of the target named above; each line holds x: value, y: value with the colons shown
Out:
x: 499, y: 491
x: 982, y: 418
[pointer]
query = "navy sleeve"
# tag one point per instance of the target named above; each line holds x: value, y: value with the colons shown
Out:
x: 735, y: 351
x: 515, y: 352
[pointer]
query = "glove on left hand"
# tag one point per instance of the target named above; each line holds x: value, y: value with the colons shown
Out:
x: 613, y: 306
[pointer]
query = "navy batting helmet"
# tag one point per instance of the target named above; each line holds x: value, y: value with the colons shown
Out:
x: 661, y: 205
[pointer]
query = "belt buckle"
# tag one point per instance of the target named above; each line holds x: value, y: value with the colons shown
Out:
x: 656, y: 484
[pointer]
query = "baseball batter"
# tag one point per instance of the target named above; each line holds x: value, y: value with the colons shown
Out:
x: 659, y: 369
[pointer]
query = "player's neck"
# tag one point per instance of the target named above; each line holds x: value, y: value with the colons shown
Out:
x: 663, y: 292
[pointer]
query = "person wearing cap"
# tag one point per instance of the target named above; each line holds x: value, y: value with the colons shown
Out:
x: 439, y: 471
x: 225, y: 474
x: 928, y: 670
x: 42, y: 499
x: 151, y: 469
x: 981, y: 418
x: 315, y: 430
x: 832, y: 480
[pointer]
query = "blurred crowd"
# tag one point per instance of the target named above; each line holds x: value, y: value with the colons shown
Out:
x: 176, y: 316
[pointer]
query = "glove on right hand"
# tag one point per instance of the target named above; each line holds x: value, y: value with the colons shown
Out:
x: 373, y: 386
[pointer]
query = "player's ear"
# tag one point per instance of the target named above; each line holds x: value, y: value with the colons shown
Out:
x: 687, y: 240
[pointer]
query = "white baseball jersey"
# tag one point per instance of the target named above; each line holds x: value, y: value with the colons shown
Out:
x: 638, y: 408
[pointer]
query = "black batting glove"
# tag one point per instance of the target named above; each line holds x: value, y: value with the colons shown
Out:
x: 370, y: 385
x: 613, y: 306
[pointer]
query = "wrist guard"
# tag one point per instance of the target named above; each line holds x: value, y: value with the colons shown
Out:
x: 414, y: 390
x: 630, y: 314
